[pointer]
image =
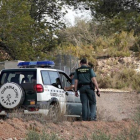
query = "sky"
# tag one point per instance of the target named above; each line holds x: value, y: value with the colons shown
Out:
x: 71, y: 16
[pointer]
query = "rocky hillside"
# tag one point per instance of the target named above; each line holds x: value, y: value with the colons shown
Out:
x: 115, y: 63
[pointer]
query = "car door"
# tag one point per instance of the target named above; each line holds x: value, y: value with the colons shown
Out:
x: 73, y: 103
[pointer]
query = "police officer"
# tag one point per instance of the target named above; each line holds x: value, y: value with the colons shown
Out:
x: 83, y: 78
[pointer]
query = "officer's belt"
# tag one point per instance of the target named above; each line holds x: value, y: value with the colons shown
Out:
x: 83, y: 84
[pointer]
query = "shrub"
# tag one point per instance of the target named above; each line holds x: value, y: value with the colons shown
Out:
x: 32, y: 135
x: 117, y: 44
x: 126, y: 78
x: 136, y: 82
x: 104, y: 82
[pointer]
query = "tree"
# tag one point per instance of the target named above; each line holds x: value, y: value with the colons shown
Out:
x: 78, y: 40
x: 16, y: 28
x: 81, y: 34
x: 28, y: 28
x: 120, y: 14
x: 20, y: 35
x: 117, y: 15
x: 48, y: 12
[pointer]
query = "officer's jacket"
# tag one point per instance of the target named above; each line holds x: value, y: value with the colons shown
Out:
x: 84, y: 74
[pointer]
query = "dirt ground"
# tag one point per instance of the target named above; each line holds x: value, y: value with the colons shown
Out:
x: 115, y: 112
x: 116, y: 106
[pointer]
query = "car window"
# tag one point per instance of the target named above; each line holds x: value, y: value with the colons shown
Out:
x: 55, y: 80
x: 17, y: 76
x: 45, y: 77
x: 65, y: 80
x: 3, y: 78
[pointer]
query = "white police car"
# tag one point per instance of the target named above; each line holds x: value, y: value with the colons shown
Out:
x: 37, y: 89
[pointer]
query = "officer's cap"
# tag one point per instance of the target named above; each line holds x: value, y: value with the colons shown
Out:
x: 83, y: 61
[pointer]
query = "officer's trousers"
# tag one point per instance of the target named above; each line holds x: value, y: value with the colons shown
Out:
x: 88, y: 100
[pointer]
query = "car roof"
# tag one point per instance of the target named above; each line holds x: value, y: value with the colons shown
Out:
x: 24, y: 69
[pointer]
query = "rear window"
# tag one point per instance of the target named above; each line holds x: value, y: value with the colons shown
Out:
x: 19, y: 77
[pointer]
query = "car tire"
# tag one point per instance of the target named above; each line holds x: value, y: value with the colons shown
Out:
x: 11, y: 95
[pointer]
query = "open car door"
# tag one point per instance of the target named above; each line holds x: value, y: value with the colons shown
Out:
x: 73, y: 103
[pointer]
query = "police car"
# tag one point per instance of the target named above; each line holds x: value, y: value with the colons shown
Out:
x: 37, y: 88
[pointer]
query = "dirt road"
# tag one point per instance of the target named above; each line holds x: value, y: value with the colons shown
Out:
x: 115, y: 113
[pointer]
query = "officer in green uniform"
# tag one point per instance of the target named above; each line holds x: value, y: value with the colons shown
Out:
x: 83, y: 78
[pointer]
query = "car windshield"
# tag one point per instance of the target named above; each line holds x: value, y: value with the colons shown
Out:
x: 19, y: 77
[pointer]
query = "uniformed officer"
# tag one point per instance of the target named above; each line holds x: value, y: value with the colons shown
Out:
x: 83, y: 78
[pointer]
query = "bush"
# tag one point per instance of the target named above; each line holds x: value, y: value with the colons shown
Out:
x: 136, y: 82
x: 117, y: 44
x: 122, y: 79
x: 32, y: 135
x: 104, y: 82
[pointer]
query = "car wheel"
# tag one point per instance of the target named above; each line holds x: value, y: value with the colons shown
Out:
x: 11, y: 95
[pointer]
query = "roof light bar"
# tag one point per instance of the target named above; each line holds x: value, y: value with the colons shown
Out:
x: 32, y: 64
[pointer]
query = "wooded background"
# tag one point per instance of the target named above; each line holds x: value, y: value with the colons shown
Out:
x: 35, y: 29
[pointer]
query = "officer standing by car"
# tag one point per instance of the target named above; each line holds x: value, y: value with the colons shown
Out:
x: 83, y: 78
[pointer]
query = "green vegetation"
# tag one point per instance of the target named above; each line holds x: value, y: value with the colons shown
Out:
x: 100, y: 136
x: 125, y: 78
x: 26, y: 32
x: 34, y: 30
x: 33, y: 135
x: 127, y: 134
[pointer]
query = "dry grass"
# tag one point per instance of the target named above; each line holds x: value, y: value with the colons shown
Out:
x: 54, y: 116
